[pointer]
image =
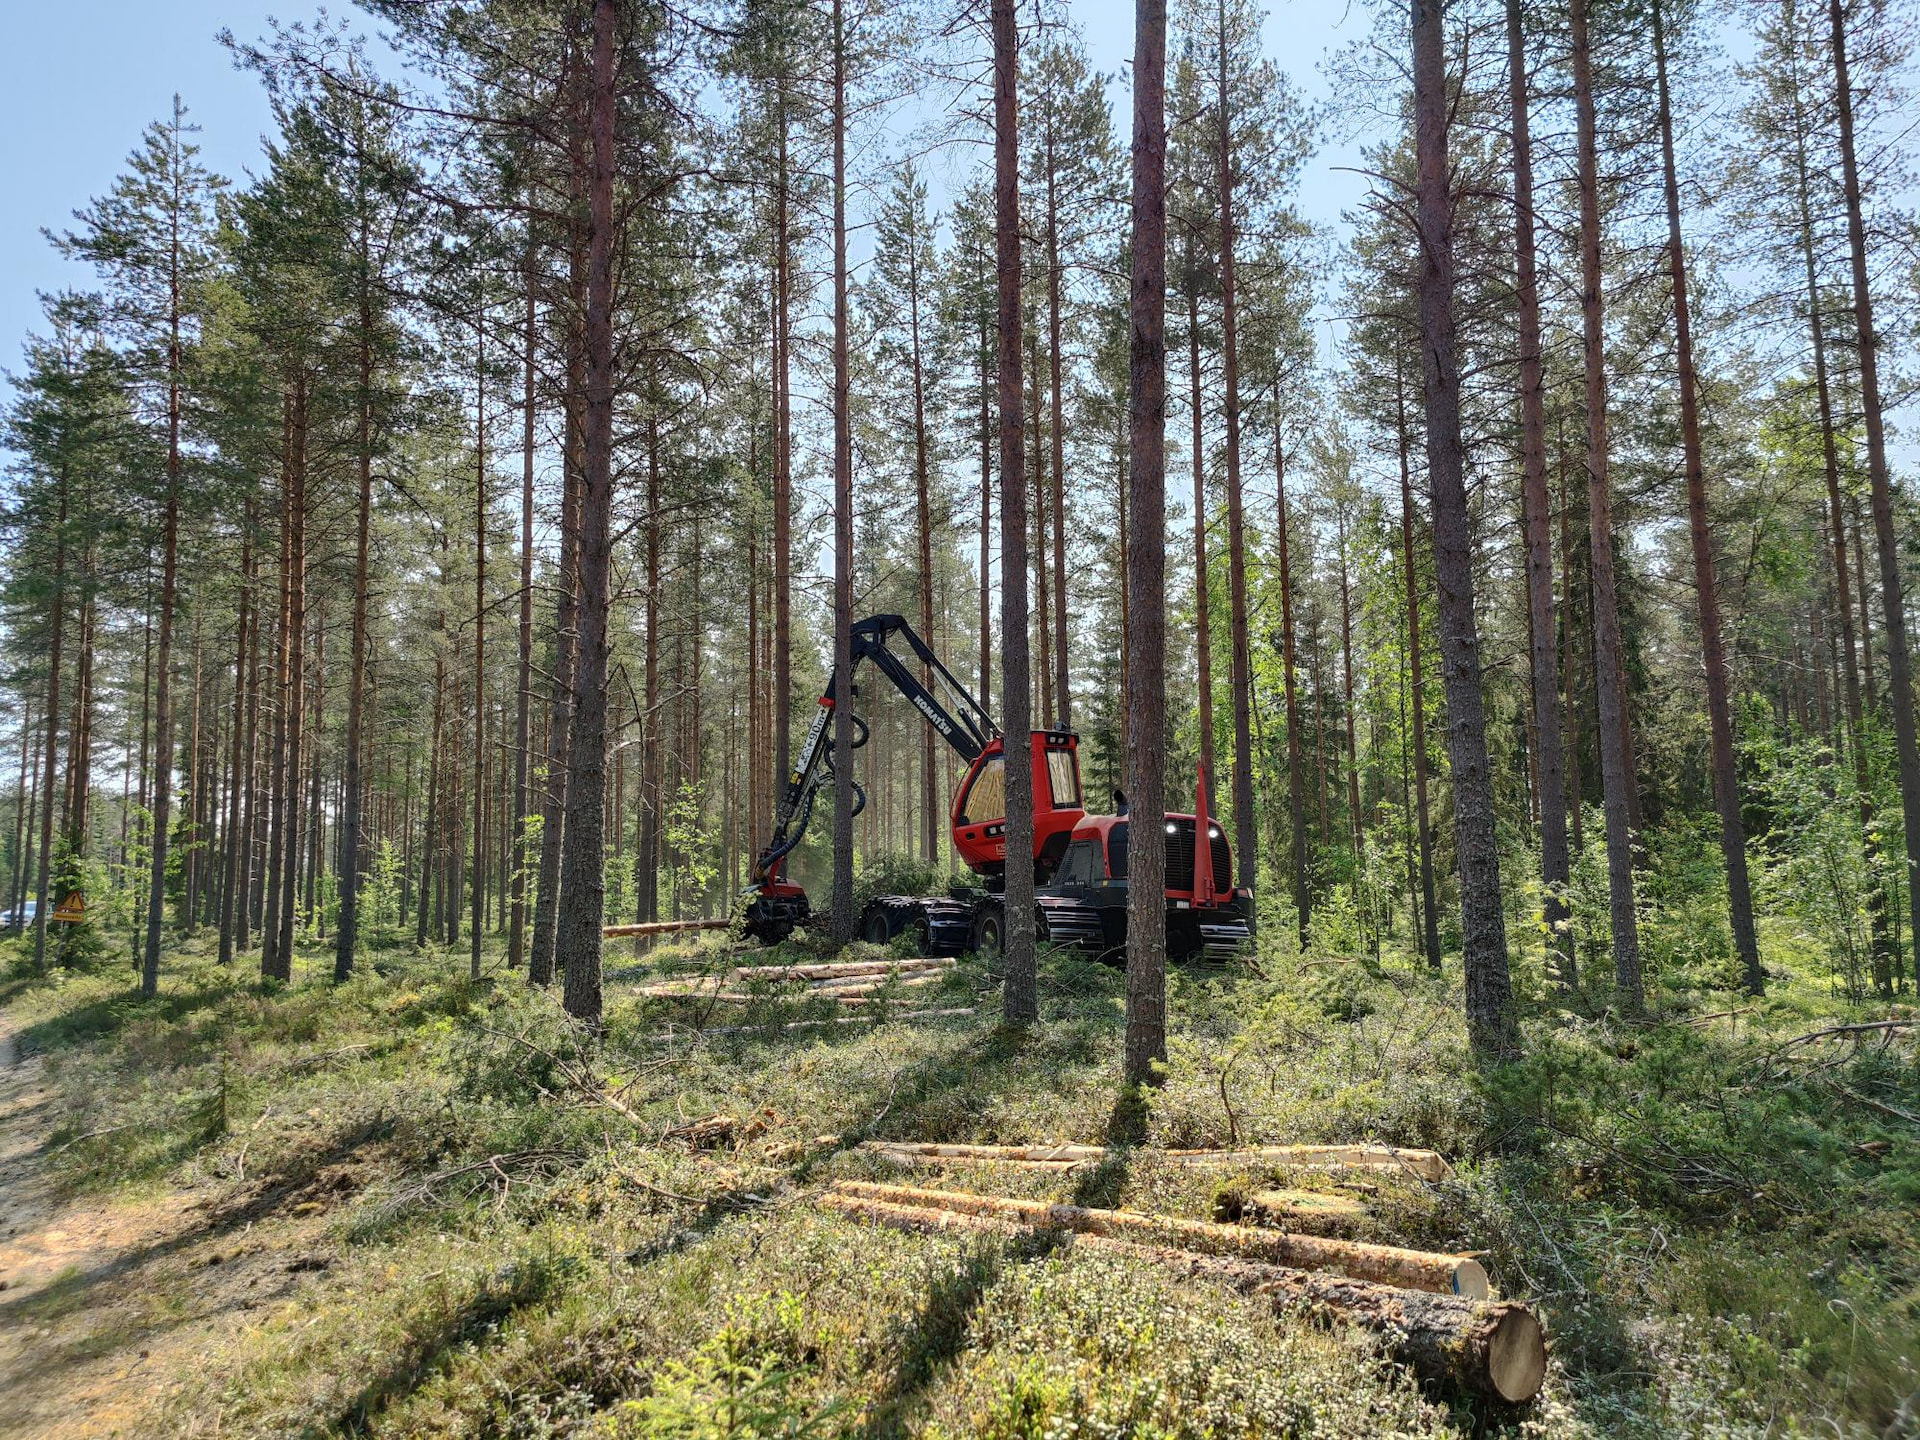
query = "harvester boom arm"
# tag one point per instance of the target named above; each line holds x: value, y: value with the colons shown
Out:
x: 961, y: 721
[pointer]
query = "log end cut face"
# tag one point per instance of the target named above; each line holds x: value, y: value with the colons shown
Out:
x: 1517, y: 1357
x: 1470, y: 1280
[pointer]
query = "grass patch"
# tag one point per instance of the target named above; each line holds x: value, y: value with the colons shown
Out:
x: 1718, y: 1232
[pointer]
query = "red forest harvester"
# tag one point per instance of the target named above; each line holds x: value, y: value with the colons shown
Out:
x: 1079, y: 860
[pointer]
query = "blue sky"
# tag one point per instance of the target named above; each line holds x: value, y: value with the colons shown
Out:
x: 79, y: 81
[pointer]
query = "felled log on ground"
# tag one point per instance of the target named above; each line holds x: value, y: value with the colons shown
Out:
x: 1384, y: 1264
x: 1422, y: 1164
x: 1425, y: 1164
x: 829, y: 969
x: 661, y: 927
x: 875, y: 981
x: 856, y: 985
x: 870, y: 976
x: 1488, y: 1347
x: 1049, y: 1157
x: 838, y: 1020
x: 713, y: 989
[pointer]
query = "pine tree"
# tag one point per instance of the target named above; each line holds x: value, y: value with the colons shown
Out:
x: 1483, y: 928
x: 1020, y: 990
x: 150, y: 237
x: 1616, y: 754
x: 1146, y: 1037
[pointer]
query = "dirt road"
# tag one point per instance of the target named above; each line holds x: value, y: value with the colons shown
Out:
x: 104, y: 1304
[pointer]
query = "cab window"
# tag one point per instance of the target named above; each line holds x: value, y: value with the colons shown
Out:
x: 1080, y: 865
x: 1063, y: 778
x: 986, y: 798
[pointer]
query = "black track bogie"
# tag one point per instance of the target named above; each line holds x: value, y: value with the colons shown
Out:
x: 1092, y: 920
x: 940, y: 925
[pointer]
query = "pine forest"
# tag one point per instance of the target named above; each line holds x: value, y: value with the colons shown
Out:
x: 971, y: 718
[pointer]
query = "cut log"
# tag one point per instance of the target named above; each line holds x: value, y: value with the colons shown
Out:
x: 836, y: 1020
x: 863, y: 982
x: 910, y: 1159
x: 1423, y: 1164
x: 868, y: 984
x: 1488, y: 1347
x: 709, y: 990
x: 661, y: 927
x: 872, y: 982
x: 1016, y: 1154
x: 828, y: 969
x: 1384, y: 1264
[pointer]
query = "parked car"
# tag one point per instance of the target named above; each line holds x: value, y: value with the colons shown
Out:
x: 27, y: 909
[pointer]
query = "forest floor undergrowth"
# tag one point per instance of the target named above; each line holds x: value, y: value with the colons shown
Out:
x: 418, y: 1204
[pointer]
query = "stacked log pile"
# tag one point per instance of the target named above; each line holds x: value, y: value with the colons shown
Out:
x: 851, y: 983
x: 1420, y: 1164
x: 1433, y: 1311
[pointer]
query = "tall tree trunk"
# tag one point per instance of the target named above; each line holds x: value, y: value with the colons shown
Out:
x: 1417, y: 684
x: 1483, y: 922
x: 1315, y: 669
x: 582, y: 864
x: 1555, y: 863
x: 232, y: 907
x: 646, y: 857
x: 1870, y: 689
x: 315, y: 815
x: 1057, y: 435
x: 77, y: 781
x: 985, y: 349
x: 1569, y: 671
x: 1202, y: 603
x: 57, y: 615
x: 1353, y: 738
x: 252, y: 870
x: 430, y: 811
x: 347, y: 937
x: 1037, y: 498
x: 478, y: 920
x: 1726, y: 779
x: 930, y: 806
x: 1892, y: 601
x: 1296, y: 759
x: 783, y: 463
x: 1146, y: 695
x: 276, y: 818
x: 27, y: 867
x: 296, y: 651
x: 1020, y: 990
x: 1616, y: 755
x: 843, y: 917
x: 1124, y: 543
x: 1884, y: 958
x: 1242, y: 661
x: 523, y: 690
x: 17, y: 872
x: 169, y: 580
x: 546, y: 908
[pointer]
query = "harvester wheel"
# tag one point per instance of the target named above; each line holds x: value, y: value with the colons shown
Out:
x: 989, y: 931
